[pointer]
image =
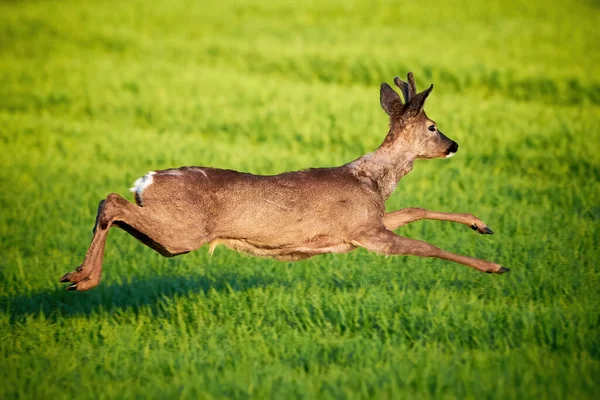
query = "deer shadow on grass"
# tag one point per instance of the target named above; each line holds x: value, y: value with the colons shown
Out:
x: 137, y: 293
x: 143, y: 292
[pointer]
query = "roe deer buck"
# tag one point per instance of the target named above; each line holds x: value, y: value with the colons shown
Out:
x: 291, y: 216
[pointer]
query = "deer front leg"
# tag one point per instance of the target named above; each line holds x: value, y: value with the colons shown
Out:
x: 387, y: 242
x: 394, y: 220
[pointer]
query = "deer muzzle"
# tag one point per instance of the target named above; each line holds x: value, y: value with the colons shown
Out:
x: 452, y: 150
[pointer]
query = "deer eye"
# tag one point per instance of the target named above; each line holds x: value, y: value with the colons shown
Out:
x: 432, y: 128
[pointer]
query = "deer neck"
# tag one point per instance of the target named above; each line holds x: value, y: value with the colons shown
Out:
x: 385, y: 166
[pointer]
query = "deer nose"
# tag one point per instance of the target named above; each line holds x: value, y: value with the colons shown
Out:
x: 452, y: 150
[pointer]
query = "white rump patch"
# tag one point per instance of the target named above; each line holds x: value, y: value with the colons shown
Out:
x: 450, y: 155
x: 142, y: 183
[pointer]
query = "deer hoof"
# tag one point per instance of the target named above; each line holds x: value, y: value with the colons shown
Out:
x: 484, y: 231
x: 83, y: 285
x: 65, y: 277
x: 499, y: 271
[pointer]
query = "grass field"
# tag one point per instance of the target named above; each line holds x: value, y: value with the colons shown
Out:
x: 95, y: 94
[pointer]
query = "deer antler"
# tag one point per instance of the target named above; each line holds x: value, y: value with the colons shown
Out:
x: 409, y: 90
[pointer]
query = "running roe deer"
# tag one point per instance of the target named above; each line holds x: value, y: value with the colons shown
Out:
x: 293, y: 215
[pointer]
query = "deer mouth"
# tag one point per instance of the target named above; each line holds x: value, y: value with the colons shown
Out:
x: 451, y: 150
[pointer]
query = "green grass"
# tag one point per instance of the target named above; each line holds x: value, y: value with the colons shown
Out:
x: 95, y: 94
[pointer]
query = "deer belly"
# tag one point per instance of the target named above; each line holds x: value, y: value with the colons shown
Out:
x: 318, y: 245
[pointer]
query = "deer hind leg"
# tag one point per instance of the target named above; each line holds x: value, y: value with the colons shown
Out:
x: 387, y: 242
x: 96, y: 248
x: 394, y: 220
x: 152, y: 226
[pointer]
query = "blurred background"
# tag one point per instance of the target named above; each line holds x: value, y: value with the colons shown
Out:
x: 94, y: 94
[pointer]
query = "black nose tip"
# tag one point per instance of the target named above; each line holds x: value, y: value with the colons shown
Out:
x: 453, y: 148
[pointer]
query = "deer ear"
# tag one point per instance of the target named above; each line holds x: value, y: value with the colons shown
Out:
x: 418, y: 102
x: 389, y: 99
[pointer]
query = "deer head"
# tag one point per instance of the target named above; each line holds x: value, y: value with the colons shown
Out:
x: 411, y: 131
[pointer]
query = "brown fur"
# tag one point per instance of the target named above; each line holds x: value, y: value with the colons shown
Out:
x: 293, y: 215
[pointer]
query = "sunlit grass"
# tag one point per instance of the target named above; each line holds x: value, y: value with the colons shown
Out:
x: 95, y: 94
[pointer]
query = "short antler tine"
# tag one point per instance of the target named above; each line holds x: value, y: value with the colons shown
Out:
x: 412, y: 87
x: 403, y: 87
x: 398, y: 83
